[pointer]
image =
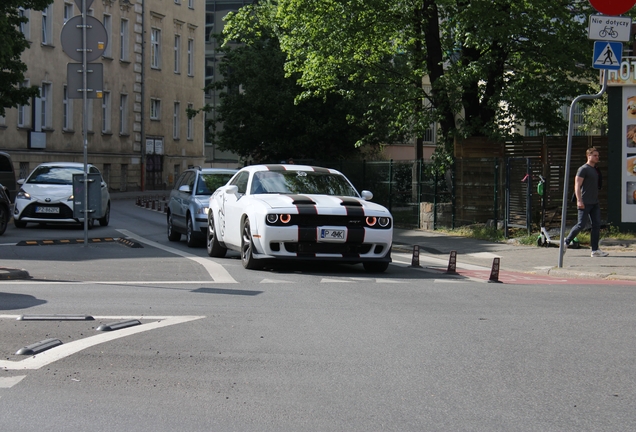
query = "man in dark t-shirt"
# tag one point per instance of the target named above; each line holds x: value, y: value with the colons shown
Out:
x: 586, y: 186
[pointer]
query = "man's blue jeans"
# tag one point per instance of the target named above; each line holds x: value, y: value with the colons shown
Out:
x: 594, y: 213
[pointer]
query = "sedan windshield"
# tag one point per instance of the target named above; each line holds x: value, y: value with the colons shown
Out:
x: 54, y: 175
x: 301, y: 182
x: 211, y: 182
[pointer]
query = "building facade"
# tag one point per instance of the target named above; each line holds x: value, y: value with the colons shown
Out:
x: 138, y: 131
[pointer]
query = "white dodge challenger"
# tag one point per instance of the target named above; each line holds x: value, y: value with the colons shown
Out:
x: 298, y: 212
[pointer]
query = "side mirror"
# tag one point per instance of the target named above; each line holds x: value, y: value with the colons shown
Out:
x: 21, y: 181
x: 366, y: 195
x: 185, y: 188
x: 231, y: 190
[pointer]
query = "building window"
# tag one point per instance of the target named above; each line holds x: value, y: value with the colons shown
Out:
x: 176, y: 116
x: 68, y: 11
x: 106, y: 117
x: 191, y: 4
x: 190, y: 124
x: 24, y: 111
x: 108, y: 25
x: 177, y: 53
x: 155, y: 48
x: 123, y: 114
x: 3, y: 121
x: 155, y: 109
x: 47, y: 25
x: 46, y: 106
x: 68, y: 111
x: 25, y: 27
x: 190, y: 57
x: 177, y: 2
x: 123, y: 40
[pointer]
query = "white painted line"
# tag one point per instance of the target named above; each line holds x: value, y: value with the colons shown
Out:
x: 9, y: 382
x: 389, y: 281
x: 274, y: 281
x: 216, y: 270
x: 435, y: 261
x: 485, y: 255
x: 67, y: 349
x: 328, y: 280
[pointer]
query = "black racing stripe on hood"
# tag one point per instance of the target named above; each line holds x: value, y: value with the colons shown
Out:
x: 302, y: 200
x: 352, y: 206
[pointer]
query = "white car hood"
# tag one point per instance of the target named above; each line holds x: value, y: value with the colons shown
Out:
x: 40, y: 192
x: 276, y: 201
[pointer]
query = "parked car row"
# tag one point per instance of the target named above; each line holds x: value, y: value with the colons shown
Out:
x: 281, y: 212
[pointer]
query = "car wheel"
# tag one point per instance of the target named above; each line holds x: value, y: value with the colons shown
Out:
x: 4, y: 218
x: 375, y: 267
x: 247, y: 246
x: 191, y: 236
x: 172, y: 234
x: 106, y: 219
x: 212, y: 242
x: 19, y: 223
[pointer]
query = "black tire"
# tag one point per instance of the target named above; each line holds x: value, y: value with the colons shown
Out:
x: 375, y: 266
x: 104, y: 221
x: 19, y: 223
x: 172, y: 234
x: 213, y: 246
x: 191, y: 237
x: 4, y: 218
x: 247, y: 246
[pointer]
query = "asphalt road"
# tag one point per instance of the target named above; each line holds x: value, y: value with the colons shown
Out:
x: 318, y: 348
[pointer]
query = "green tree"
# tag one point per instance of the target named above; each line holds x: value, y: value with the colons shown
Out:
x: 12, y: 69
x: 490, y: 63
x: 261, y: 119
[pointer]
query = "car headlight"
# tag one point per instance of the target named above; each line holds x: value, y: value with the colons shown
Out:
x: 23, y: 195
x: 202, y: 211
x: 384, y: 222
x: 278, y: 219
x: 70, y: 198
x: 378, y: 222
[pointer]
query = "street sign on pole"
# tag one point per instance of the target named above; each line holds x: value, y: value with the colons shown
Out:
x: 610, y: 28
x: 79, y: 4
x: 607, y: 55
x: 73, y: 40
x: 94, y: 80
x: 612, y: 7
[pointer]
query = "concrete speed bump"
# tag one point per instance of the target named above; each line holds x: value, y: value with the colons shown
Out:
x: 11, y: 273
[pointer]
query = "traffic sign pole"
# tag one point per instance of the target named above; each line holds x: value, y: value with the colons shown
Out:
x: 85, y: 121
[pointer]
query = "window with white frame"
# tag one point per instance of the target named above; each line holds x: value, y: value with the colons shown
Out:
x: 190, y: 57
x: 177, y: 54
x: 24, y: 111
x: 191, y: 4
x: 106, y: 116
x: 47, y: 25
x: 176, y: 116
x: 68, y: 111
x: 68, y: 11
x: 25, y: 27
x: 108, y: 25
x: 123, y: 40
x: 46, y: 106
x: 190, y: 124
x: 155, y: 109
x: 123, y: 114
x: 155, y: 48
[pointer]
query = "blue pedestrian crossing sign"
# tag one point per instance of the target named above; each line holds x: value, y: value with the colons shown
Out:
x: 607, y: 55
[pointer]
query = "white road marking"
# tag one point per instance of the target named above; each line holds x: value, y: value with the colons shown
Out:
x: 67, y: 349
x: 274, y: 281
x: 328, y: 280
x: 406, y: 259
x: 395, y: 281
x: 9, y: 382
x: 216, y: 271
x: 485, y: 255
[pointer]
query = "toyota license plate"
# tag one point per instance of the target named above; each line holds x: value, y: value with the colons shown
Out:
x: 47, y: 209
x: 332, y: 235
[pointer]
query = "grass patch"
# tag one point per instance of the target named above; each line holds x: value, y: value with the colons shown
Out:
x: 479, y: 232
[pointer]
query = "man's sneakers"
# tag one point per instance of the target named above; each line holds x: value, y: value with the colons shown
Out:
x: 599, y: 253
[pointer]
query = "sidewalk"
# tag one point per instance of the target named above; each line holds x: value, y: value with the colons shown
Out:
x: 620, y: 264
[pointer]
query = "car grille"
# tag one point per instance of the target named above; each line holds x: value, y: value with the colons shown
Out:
x: 327, y: 248
x: 314, y: 220
x: 65, y: 212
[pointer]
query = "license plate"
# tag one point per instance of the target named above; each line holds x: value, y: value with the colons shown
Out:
x: 47, y: 209
x: 332, y: 235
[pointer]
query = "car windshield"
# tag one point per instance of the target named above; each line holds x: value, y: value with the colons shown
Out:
x: 58, y: 175
x: 301, y: 182
x: 211, y: 182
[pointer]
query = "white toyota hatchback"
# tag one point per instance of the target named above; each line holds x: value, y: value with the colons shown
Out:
x: 46, y: 196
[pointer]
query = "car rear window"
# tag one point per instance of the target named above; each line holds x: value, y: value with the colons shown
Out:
x: 208, y: 183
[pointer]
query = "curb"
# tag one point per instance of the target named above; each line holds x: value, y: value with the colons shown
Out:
x: 10, y: 273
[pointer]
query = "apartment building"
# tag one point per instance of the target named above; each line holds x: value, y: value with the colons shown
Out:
x: 138, y: 130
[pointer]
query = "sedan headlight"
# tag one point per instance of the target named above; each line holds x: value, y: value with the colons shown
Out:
x: 23, y: 195
x: 202, y: 211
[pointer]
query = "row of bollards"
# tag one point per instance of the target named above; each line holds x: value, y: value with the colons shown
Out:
x: 153, y: 202
x: 452, y: 264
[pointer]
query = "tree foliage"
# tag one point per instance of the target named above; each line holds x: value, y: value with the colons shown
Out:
x: 261, y: 119
x: 12, y: 69
x: 491, y: 64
